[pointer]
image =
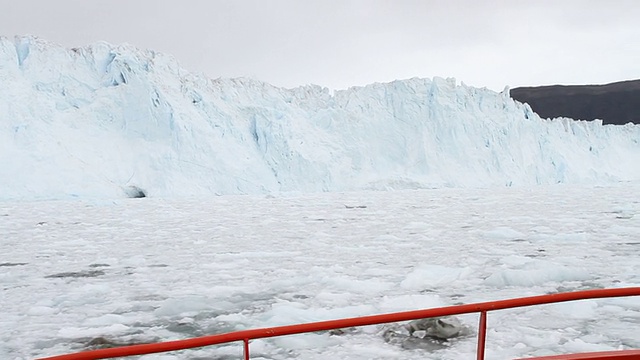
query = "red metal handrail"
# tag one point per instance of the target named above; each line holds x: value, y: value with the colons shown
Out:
x: 600, y: 355
x: 246, y: 335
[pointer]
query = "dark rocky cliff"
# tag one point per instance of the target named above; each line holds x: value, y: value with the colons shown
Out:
x: 615, y: 103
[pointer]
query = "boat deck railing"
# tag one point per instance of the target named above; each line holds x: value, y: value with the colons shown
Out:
x: 483, y: 308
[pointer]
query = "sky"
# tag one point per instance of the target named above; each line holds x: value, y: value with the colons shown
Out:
x: 342, y: 43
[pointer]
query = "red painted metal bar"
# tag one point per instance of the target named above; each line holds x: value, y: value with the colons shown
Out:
x: 604, y: 355
x: 343, y: 323
x: 246, y: 349
x: 482, y: 335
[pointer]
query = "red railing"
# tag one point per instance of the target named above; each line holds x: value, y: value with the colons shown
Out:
x: 246, y: 335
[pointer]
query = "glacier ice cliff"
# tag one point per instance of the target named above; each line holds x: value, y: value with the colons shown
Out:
x: 101, y: 120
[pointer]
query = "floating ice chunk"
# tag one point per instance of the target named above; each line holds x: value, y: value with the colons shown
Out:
x: 505, y: 233
x: 428, y: 334
x: 105, y: 320
x: 578, y: 346
x: 184, y: 306
x: 445, y: 327
x: 305, y: 341
x: 77, y: 332
x: 536, y: 276
x: 368, y: 286
x: 431, y: 276
x: 410, y: 302
x: 577, y: 237
x: 515, y: 261
x: 577, y: 309
x: 289, y: 312
x: 334, y: 299
x: 41, y: 310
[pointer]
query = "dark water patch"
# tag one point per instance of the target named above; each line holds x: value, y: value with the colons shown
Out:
x: 427, y: 291
x: 129, y: 270
x: 585, y: 285
x: 200, y: 325
x: 190, y: 329
x: 98, y: 342
x: 49, y: 343
x: 134, y: 192
x: 149, y: 297
x: 620, y: 214
x: 413, y: 343
x: 99, y: 265
x: 158, y: 265
x: 344, y: 331
x: 220, y: 327
x: 76, y: 274
x: 12, y: 264
x: 538, y: 254
x: 102, y: 342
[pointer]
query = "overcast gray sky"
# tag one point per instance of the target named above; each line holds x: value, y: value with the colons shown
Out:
x: 340, y: 43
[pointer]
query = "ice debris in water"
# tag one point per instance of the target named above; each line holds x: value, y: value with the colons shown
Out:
x: 428, y: 333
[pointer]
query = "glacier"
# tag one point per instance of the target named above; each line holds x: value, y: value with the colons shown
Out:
x: 103, y: 121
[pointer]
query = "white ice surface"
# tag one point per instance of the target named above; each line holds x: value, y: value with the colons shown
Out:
x: 152, y: 269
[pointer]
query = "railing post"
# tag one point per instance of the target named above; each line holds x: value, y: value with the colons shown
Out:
x: 482, y: 335
x: 246, y: 349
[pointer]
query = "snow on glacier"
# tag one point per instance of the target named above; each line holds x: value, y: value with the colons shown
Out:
x: 96, y: 120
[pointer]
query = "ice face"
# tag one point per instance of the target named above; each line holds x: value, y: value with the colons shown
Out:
x: 100, y: 120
